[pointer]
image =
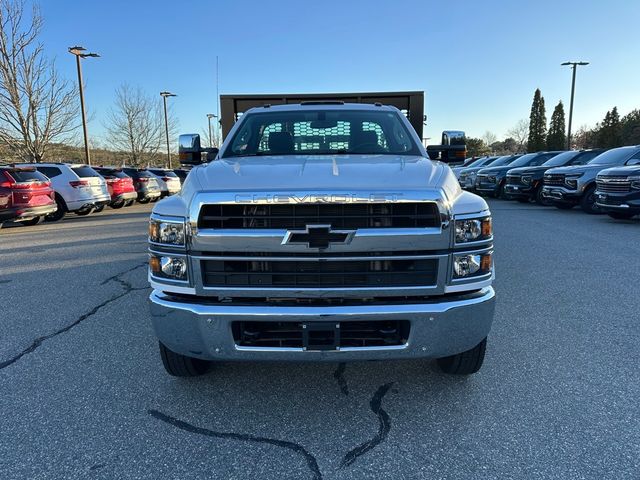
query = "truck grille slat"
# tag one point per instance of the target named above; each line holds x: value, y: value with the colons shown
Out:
x: 329, y: 336
x: 554, y: 179
x: 613, y: 184
x: 301, y: 273
x: 350, y: 216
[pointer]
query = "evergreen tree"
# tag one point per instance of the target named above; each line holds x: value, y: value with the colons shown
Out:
x: 631, y: 128
x: 556, y: 139
x: 537, y: 124
x: 610, y: 131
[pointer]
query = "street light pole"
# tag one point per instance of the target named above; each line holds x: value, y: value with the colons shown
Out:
x: 164, y: 96
x: 210, y: 116
x: 573, y: 65
x: 79, y: 53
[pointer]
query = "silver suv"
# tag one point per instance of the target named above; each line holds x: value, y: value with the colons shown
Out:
x: 79, y: 188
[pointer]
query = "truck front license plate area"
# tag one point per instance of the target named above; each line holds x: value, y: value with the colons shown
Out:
x: 320, y: 336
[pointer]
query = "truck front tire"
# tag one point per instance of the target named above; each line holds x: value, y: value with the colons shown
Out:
x: 180, y: 365
x: 464, y: 363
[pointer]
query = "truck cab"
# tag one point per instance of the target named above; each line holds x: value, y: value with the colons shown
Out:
x: 320, y: 232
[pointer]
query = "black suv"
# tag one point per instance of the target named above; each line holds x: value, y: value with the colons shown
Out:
x: 491, y: 181
x: 525, y: 183
x: 618, y: 191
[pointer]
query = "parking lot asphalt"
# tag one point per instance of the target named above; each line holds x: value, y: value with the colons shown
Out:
x: 83, y: 393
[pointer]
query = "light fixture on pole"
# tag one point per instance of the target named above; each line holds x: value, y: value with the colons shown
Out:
x: 164, y: 96
x: 79, y: 53
x: 574, y: 65
x: 210, y: 116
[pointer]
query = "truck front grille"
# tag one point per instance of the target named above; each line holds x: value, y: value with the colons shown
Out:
x: 554, y: 179
x: 514, y: 180
x: 613, y: 184
x: 321, y: 335
x: 319, y: 273
x: 347, y: 216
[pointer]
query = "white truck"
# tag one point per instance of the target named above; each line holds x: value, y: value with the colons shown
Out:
x: 320, y: 231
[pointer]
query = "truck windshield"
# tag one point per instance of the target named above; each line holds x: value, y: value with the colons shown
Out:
x: 616, y: 156
x: 321, y: 132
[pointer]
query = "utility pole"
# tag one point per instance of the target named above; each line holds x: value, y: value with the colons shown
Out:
x: 79, y: 53
x: 573, y: 65
x: 164, y: 96
x: 210, y: 116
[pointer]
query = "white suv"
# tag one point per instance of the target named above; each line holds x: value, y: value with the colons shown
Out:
x: 168, y: 180
x: 79, y: 188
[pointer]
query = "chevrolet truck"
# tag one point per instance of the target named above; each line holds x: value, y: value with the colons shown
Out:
x: 320, y: 231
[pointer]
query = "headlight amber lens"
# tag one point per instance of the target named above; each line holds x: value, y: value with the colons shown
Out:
x: 472, y: 230
x: 173, y: 268
x: 170, y: 233
x: 471, y: 265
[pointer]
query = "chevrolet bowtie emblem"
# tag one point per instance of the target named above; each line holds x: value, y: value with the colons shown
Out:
x: 317, y: 236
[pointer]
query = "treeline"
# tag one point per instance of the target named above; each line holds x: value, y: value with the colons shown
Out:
x: 533, y: 136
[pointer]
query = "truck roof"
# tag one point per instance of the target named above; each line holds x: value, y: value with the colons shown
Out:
x: 321, y: 106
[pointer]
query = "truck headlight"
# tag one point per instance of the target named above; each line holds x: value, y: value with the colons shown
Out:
x: 635, y: 181
x: 473, y: 229
x: 526, y: 180
x: 472, y: 265
x: 172, y: 268
x: 166, y: 232
x: 571, y: 181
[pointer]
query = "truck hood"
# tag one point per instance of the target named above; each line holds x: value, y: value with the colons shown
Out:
x: 321, y: 172
x: 540, y: 169
x: 578, y: 169
x: 633, y: 170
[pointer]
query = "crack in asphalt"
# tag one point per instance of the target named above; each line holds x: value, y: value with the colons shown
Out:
x: 187, y: 427
x: 383, y: 428
x: 40, y: 340
x: 339, y: 376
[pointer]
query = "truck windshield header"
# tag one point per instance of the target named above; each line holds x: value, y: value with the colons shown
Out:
x: 321, y: 132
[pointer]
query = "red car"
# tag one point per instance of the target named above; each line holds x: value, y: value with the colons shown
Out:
x: 26, y: 195
x: 120, y: 185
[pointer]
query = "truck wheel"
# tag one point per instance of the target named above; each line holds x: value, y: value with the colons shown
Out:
x: 118, y: 205
x: 540, y: 200
x: 59, y: 213
x: 620, y: 215
x: 464, y: 363
x: 180, y: 365
x: 588, y: 201
x: 143, y: 200
x: 98, y: 209
x: 32, y: 222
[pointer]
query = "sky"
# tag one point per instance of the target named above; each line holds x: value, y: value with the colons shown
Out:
x: 478, y: 62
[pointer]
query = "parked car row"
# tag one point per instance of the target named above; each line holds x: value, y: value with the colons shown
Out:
x: 599, y: 181
x: 33, y: 192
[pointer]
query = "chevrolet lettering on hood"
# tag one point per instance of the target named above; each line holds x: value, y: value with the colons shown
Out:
x: 320, y: 232
x: 319, y: 198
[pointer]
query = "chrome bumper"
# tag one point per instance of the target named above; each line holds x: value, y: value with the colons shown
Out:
x: 438, y: 329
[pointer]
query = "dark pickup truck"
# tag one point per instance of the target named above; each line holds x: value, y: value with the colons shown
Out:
x: 618, y: 191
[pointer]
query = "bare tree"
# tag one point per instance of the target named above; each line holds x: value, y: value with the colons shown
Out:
x: 136, y: 126
x: 520, y: 133
x: 489, y: 138
x: 37, y: 107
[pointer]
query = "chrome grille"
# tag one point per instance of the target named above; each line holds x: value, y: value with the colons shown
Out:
x: 554, y: 179
x: 349, y: 216
x: 313, y: 273
x: 613, y: 184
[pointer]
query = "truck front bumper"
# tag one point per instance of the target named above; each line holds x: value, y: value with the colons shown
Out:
x: 440, y: 327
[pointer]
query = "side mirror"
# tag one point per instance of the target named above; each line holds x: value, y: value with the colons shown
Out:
x: 453, y: 148
x: 191, y: 153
